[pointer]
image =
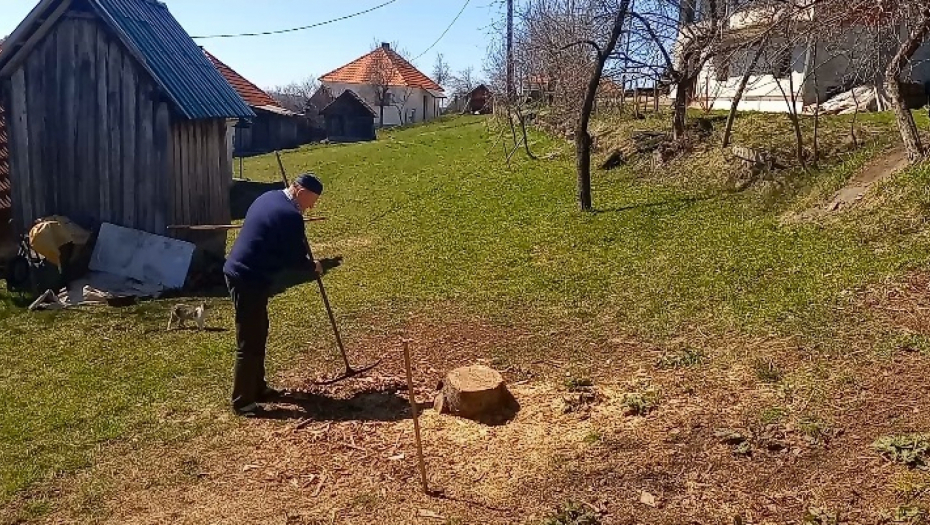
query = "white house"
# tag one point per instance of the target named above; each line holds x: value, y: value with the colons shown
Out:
x: 799, y: 72
x: 409, y: 95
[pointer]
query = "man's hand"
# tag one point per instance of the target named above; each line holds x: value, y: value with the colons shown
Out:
x: 319, y: 269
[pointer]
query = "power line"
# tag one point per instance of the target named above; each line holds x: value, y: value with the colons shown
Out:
x: 301, y: 28
x: 454, y: 20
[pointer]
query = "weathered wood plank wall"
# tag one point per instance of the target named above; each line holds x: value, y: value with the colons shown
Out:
x: 201, y: 175
x: 83, y: 132
x: 6, y: 202
x: 91, y: 137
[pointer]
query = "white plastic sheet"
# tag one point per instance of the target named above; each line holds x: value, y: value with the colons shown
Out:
x: 141, y: 256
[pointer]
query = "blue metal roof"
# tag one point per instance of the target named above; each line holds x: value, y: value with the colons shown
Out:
x: 178, y: 64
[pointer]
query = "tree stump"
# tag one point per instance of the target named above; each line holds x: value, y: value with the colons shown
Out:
x: 475, y: 392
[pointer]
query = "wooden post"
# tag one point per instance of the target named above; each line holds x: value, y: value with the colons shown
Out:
x: 416, y: 415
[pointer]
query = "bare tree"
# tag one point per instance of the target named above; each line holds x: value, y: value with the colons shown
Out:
x: 463, y: 82
x: 582, y: 136
x: 441, y: 72
x: 296, y: 95
x: 919, y: 12
x: 741, y: 88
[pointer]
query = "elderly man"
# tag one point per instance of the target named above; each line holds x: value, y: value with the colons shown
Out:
x: 271, y: 240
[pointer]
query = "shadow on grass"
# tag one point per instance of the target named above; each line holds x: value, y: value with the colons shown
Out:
x: 195, y: 329
x: 369, y: 405
x: 243, y: 193
x: 290, y: 279
x: 678, y: 203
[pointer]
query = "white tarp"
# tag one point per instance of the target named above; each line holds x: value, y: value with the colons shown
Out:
x: 141, y: 256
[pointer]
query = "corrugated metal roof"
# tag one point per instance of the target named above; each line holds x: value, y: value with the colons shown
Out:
x: 179, y: 65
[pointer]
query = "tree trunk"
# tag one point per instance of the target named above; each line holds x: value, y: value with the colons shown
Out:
x: 815, y: 142
x: 681, y: 106
x: 728, y: 132
x: 583, y: 160
x: 792, y: 102
x: 852, y: 124
x: 906, y: 125
x: 526, y: 140
x: 582, y: 137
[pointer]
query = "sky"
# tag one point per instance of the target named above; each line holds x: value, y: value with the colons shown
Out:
x: 279, y: 59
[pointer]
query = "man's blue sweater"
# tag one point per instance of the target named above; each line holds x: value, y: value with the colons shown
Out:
x: 272, y: 239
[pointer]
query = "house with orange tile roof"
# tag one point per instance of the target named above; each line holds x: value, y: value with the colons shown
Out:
x: 273, y: 127
x: 398, y: 91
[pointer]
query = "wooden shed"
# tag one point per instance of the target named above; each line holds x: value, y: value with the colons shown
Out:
x: 349, y: 119
x: 480, y: 100
x: 273, y: 128
x: 7, y: 239
x: 115, y: 115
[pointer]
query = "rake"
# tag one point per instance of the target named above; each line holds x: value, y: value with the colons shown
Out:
x: 349, y: 371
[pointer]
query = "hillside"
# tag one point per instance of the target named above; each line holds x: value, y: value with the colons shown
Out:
x: 743, y: 361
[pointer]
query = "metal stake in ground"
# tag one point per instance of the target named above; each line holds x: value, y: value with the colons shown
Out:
x: 416, y: 418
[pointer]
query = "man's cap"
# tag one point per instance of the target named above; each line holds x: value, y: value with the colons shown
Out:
x: 310, y: 182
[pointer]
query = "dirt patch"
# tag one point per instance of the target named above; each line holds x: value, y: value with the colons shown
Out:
x: 703, y: 429
x: 877, y: 170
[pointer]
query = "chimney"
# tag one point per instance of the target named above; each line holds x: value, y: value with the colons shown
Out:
x: 385, y: 45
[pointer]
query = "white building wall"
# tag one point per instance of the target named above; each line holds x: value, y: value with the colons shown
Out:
x: 834, y: 72
x: 408, y: 107
x: 764, y: 92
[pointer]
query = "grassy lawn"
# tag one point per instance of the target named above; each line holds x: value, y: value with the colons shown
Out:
x: 432, y: 219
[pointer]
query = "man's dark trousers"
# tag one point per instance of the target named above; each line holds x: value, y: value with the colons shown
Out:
x: 251, y: 303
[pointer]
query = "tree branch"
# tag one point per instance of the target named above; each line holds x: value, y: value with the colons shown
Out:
x: 592, y: 43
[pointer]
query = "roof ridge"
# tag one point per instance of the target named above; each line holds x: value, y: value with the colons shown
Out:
x: 358, y: 71
x: 259, y: 97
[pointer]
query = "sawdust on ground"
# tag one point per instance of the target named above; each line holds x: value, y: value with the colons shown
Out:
x: 804, y: 435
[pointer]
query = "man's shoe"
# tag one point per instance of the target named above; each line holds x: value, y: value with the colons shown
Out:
x: 270, y: 394
x: 250, y: 410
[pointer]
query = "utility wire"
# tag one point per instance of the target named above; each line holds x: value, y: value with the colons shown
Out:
x: 454, y: 20
x: 291, y: 30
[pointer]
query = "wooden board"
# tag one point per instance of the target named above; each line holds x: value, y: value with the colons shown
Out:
x: 68, y: 126
x: 144, y: 173
x: 162, y: 172
x: 128, y: 129
x: 35, y: 108
x: 19, y: 152
x: 103, y: 129
x: 87, y: 138
x: 114, y: 118
x: 53, y: 156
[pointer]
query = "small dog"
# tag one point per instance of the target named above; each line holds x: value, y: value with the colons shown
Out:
x: 182, y: 312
